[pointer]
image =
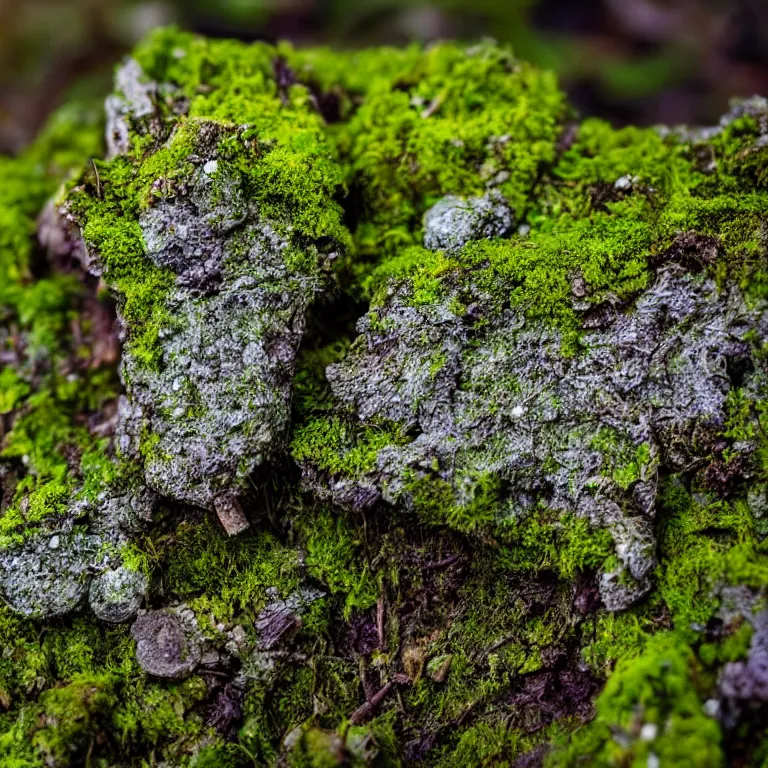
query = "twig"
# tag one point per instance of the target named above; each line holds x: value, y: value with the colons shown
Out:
x: 380, y: 620
x: 362, y: 713
x: 98, y: 179
x: 439, y: 564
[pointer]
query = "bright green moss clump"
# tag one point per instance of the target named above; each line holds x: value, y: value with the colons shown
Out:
x: 650, y: 706
x: 53, y: 377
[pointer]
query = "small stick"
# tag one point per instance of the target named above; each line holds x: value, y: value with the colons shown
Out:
x: 98, y: 179
x: 363, y: 712
x: 380, y: 620
x: 444, y: 563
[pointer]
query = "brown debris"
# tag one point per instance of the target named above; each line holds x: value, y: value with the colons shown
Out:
x: 231, y: 515
x: 368, y: 710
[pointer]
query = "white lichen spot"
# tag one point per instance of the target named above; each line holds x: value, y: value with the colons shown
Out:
x: 624, y: 183
x: 211, y: 167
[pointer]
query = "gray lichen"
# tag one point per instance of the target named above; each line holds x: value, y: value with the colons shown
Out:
x: 584, y: 435
x: 49, y: 575
x: 453, y: 221
x: 219, y: 404
x: 116, y: 594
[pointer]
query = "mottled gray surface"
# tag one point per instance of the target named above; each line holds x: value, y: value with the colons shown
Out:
x: 585, y: 435
x: 120, y: 512
x: 133, y: 99
x: 743, y: 684
x: 219, y: 404
x: 116, y: 594
x: 453, y: 221
x: 49, y: 575
x: 280, y: 618
x: 165, y: 646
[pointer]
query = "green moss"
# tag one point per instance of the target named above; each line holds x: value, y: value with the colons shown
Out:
x: 334, y: 558
x: 221, y: 576
x: 548, y: 542
x: 701, y: 541
x: 412, y: 126
x: 59, y: 455
x: 658, y: 688
x: 443, y: 122
x: 341, y: 448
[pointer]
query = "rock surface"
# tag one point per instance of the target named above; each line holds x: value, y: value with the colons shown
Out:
x: 586, y: 435
x: 438, y: 436
x: 164, y: 648
x: 453, y: 222
x: 116, y: 595
x: 48, y: 576
x: 218, y: 404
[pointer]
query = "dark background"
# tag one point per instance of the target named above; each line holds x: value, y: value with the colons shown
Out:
x: 641, y: 61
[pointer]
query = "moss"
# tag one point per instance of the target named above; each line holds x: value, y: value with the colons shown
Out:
x: 700, y: 542
x: 658, y: 688
x: 334, y: 558
x: 443, y: 122
x: 219, y: 576
x: 77, y: 689
x: 341, y: 448
x: 469, y: 504
x: 482, y: 601
x: 71, y: 135
x: 563, y: 544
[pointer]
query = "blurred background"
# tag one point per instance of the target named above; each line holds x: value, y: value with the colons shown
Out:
x: 638, y: 61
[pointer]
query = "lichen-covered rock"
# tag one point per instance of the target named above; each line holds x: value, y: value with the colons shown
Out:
x: 219, y: 405
x: 475, y: 389
x: 453, y: 222
x: 507, y: 425
x: 135, y: 99
x: 208, y: 394
x: 49, y: 575
x: 164, y: 646
x: 116, y: 594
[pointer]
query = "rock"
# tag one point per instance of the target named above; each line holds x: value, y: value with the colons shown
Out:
x: 116, y: 595
x: 745, y: 682
x: 123, y: 512
x: 219, y: 405
x: 133, y: 108
x: 282, y: 617
x: 439, y: 667
x: 453, y: 221
x: 583, y: 435
x: 164, y: 647
x: 134, y: 99
x: 49, y: 575
x: 261, y: 667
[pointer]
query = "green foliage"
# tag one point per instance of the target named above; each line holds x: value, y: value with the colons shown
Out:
x: 657, y: 689
x: 221, y: 576
x: 333, y: 557
x: 544, y: 542
x: 338, y: 447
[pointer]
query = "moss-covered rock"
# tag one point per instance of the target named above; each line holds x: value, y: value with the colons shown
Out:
x: 479, y: 386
